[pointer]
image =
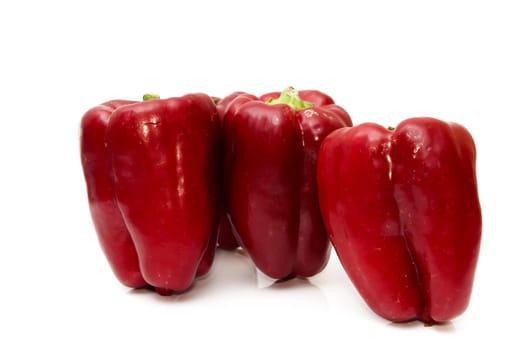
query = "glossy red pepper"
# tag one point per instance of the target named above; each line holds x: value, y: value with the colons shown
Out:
x: 403, y: 214
x: 151, y: 171
x: 270, y: 151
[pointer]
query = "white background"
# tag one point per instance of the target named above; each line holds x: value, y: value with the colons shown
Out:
x: 461, y: 61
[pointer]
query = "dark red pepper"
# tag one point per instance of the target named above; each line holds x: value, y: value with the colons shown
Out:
x: 403, y: 214
x: 152, y: 176
x: 270, y: 150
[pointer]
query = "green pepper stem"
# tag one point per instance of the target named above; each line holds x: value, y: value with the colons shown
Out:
x: 150, y: 96
x: 291, y: 98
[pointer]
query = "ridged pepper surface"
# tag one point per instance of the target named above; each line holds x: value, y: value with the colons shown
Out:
x: 402, y: 211
x: 270, y: 150
x: 151, y: 172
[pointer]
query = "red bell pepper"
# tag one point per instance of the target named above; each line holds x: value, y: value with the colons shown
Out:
x: 403, y: 214
x: 151, y: 171
x: 270, y: 151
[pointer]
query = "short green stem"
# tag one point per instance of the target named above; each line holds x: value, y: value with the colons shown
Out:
x: 291, y: 98
x: 149, y: 96
x: 215, y: 100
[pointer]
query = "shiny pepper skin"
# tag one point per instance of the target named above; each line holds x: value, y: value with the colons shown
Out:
x: 270, y: 151
x: 403, y: 214
x: 151, y: 171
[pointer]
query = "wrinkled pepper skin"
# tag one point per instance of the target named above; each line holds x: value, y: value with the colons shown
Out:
x: 270, y: 155
x: 164, y: 169
x: 403, y: 214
